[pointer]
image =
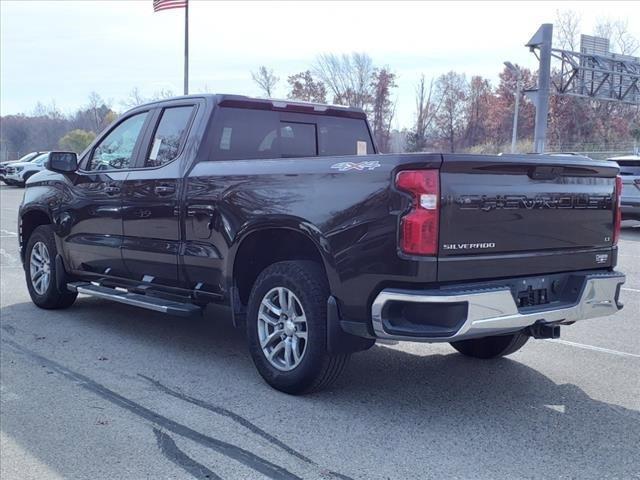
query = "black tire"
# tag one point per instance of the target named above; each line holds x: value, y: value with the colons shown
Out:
x: 26, y: 177
x: 51, y: 297
x: 491, y: 347
x: 317, y: 368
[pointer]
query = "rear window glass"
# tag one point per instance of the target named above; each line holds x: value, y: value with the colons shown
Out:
x: 254, y: 134
x: 169, y: 135
x: 298, y: 139
x: 344, y: 136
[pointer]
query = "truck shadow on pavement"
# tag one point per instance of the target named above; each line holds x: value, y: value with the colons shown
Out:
x: 421, y: 415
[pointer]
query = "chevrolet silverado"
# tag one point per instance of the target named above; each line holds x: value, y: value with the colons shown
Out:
x: 285, y: 213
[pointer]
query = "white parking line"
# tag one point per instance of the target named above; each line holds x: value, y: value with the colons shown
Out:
x: 7, y: 233
x: 631, y: 289
x: 596, y: 349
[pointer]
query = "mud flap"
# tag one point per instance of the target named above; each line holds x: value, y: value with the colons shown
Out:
x: 61, y: 274
x: 339, y: 341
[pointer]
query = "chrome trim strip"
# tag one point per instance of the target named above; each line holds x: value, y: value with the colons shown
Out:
x: 494, y: 311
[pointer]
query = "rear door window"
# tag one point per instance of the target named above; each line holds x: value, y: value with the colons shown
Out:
x: 245, y: 134
x: 169, y: 135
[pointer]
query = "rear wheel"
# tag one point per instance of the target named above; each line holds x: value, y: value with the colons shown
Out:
x: 491, y: 347
x: 40, y: 271
x: 287, y: 328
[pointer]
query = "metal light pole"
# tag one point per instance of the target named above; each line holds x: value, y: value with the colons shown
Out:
x: 518, y: 73
x: 542, y: 42
x: 186, y: 47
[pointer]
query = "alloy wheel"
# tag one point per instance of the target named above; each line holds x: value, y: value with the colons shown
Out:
x: 282, y: 328
x: 40, y: 268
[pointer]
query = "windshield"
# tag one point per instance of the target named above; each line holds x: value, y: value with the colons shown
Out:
x: 29, y: 156
x: 40, y: 159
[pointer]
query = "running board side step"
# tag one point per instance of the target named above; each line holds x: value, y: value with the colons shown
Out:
x: 157, y: 304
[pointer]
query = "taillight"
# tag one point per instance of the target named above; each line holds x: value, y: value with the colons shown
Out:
x: 617, y: 226
x: 419, y: 227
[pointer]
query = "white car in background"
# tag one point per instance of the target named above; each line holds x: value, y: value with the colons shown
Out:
x: 630, y: 173
x: 25, y: 158
x: 17, y: 173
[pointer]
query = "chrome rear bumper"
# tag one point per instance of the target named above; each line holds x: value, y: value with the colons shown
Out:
x: 494, y: 311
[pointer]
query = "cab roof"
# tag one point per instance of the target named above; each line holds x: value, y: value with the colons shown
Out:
x: 297, y: 106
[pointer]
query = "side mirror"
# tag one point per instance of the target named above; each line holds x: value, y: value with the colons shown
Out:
x: 62, y: 162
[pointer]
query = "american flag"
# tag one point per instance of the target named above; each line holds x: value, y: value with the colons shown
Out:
x: 167, y: 4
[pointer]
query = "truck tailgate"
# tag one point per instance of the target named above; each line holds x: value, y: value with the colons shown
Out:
x: 527, y: 214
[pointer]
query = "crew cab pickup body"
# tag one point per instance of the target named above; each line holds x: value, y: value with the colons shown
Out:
x: 477, y: 246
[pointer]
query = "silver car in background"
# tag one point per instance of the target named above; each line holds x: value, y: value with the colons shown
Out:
x: 630, y: 173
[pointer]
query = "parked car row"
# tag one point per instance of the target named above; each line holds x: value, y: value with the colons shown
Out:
x: 26, y: 158
x: 17, y: 172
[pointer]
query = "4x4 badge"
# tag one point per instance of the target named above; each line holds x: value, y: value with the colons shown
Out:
x: 345, y: 166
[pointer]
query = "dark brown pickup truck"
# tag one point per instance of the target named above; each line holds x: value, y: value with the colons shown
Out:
x: 285, y: 213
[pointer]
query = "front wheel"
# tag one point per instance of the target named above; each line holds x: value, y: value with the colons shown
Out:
x: 40, y: 271
x: 26, y: 177
x: 287, y: 328
x: 491, y: 347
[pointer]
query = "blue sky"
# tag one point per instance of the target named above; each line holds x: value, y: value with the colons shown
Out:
x: 61, y: 51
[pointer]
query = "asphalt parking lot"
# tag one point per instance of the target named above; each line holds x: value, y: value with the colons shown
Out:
x: 105, y: 391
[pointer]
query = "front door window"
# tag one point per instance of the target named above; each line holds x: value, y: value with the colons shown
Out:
x: 115, y: 151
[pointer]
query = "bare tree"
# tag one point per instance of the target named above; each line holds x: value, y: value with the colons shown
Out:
x: 134, y: 99
x: 265, y: 79
x: 479, y: 103
x: 426, y: 110
x: 39, y: 110
x: 162, y: 94
x: 348, y: 77
x: 567, y: 27
x: 362, y: 72
x: 383, y: 81
x: 452, y: 94
x: 96, y: 107
x: 620, y: 39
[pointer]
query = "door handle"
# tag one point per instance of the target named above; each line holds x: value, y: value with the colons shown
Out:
x: 164, y: 190
x: 201, y: 210
x: 112, y: 190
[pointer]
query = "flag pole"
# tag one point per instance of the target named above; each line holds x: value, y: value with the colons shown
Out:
x: 186, y: 48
